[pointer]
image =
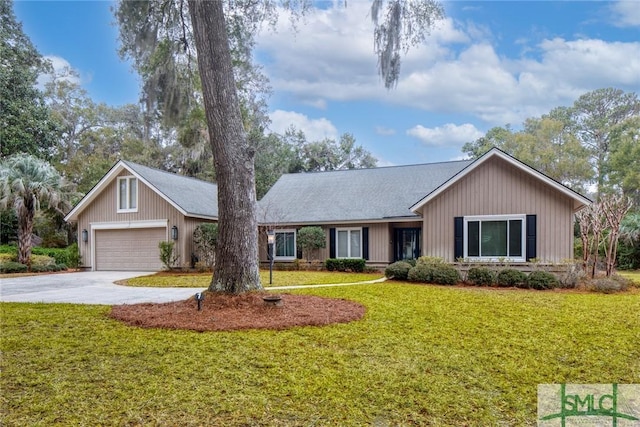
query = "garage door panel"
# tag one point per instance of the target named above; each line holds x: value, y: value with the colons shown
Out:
x: 129, y: 249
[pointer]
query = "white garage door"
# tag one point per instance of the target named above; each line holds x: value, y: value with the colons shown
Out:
x: 134, y: 249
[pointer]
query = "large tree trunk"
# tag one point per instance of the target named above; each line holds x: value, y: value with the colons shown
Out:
x: 236, y: 269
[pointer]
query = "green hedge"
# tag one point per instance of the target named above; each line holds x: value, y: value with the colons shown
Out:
x: 61, y: 256
x: 355, y: 265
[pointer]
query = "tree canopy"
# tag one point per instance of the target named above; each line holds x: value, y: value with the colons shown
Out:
x: 25, y: 125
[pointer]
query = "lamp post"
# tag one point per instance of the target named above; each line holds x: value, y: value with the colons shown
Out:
x: 271, y: 239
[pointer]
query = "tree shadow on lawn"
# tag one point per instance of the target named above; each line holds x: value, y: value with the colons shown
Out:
x: 225, y: 312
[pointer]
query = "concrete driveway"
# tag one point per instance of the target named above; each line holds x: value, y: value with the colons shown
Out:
x: 88, y: 287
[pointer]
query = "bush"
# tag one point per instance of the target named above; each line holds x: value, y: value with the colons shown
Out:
x: 421, y: 273
x: 41, y: 261
x: 355, y: 265
x: 541, y: 280
x: 5, y: 257
x: 429, y: 260
x: 445, y: 274
x: 167, y: 254
x: 59, y: 255
x: 438, y: 273
x: 398, y: 270
x: 481, y: 276
x: 511, y: 277
x: 73, y: 257
x: 609, y: 285
x: 12, y: 267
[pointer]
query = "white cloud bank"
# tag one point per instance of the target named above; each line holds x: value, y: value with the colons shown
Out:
x: 314, y: 129
x: 447, y: 135
x: 457, y: 70
x: 626, y: 13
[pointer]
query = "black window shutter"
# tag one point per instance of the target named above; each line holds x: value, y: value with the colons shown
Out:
x: 332, y: 243
x: 458, y: 237
x: 365, y: 242
x: 531, y: 237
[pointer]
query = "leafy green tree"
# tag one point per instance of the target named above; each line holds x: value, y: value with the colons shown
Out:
x: 310, y: 239
x: 624, y: 161
x: 25, y: 125
x: 28, y: 184
x: 593, y: 118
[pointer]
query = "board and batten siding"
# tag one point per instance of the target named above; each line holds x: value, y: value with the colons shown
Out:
x: 499, y: 188
x: 151, y: 207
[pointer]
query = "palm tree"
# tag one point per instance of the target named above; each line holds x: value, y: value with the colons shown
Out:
x: 26, y: 184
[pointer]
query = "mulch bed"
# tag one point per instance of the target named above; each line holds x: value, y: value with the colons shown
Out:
x: 224, y: 312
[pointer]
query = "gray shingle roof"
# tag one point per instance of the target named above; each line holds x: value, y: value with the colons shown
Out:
x: 354, y: 195
x: 193, y: 196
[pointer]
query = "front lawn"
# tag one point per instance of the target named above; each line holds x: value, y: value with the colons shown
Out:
x: 422, y: 355
x: 632, y: 275
x: 280, y: 278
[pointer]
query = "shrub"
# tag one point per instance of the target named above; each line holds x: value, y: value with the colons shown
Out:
x: 421, y: 273
x: 572, y: 275
x: 73, y: 257
x: 167, y: 254
x: 511, y: 277
x: 609, y: 285
x: 541, y: 280
x: 481, y: 276
x: 5, y: 257
x: 59, y: 255
x: 398, y: 270
x: 41, y: 261
x: 445, y: 274
x: 61, y: 267
x: 429, y: 260
x: 355, y: 265
x: 12, y: 267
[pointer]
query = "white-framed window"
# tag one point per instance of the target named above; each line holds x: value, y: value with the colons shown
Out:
x: 495, y: 237
x: 285, y: 244
x: 349, y: 243
x: 127, y: 194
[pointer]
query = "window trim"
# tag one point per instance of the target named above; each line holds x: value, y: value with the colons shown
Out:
x: 128, y: 180
x: 349, y: 230
x: 507, y: 218
x: 295, y: 243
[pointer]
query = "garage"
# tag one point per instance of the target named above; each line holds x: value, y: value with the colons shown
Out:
x: 129, y: 249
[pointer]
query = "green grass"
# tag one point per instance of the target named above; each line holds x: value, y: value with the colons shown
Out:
x: 423, y: 355
x: 280, y: 278
x: 633, y: 275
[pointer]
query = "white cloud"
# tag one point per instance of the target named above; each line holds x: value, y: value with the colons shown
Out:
x: 314, y: 129
x: 626, y: 13
x: 458, y: 69
x: 61, y: 68
x: 446, y: 135
x: 385, y: 131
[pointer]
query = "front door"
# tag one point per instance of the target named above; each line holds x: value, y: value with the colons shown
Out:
x: 407, y: 243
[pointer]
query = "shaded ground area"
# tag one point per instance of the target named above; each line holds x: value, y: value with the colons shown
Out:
x: 221, y: 312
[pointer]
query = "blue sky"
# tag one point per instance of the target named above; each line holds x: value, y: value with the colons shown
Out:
x: 487, y: 64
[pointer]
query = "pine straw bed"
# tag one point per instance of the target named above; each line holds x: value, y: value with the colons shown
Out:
x: 224, y: 312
